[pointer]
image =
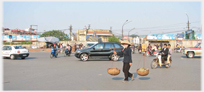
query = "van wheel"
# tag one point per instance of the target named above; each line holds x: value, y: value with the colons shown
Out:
x: 84, y: 57
x: 12, y: 57
x: 22, y: 57
x: 190, y: 54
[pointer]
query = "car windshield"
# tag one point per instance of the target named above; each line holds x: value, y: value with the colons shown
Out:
x: 197, y: 45
x: 19, y: 47
x: 92, y: 46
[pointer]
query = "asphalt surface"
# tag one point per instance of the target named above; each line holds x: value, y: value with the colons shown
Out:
x: 39, y: 72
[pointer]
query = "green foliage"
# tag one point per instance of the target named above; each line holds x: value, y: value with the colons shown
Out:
x: 56, y: 33
x: 113, y: 39
x: 17, y: 43
x: 133, y: 35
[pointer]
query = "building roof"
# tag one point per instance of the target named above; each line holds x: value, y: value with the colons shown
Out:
x: 99, y: 33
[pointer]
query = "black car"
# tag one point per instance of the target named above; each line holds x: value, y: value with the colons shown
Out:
x: 102, y: 50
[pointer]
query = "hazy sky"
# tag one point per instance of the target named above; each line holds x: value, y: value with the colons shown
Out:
x: 146, y: 17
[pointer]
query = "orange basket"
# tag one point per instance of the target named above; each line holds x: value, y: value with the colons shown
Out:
x: 143, y: 72
x: 113, y: 71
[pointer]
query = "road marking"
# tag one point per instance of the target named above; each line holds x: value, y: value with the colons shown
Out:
x: 100, y: 74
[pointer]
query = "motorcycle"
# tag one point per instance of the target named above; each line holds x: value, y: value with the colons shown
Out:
x: 140, y: 51
x: 67, y: 52
x: 151, y: 52
x: 133, y: 51
x: 177, y: 50
x: 155, y: 62
x: 53, y: 54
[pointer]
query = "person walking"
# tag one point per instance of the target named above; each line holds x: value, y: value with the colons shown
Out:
x: 161, y: 46
x: 127, y: 62
x: 75, y: 47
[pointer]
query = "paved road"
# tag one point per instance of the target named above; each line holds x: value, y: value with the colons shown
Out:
x: 39, y: 72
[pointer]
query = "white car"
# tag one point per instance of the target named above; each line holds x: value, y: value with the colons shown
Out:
x: 15, y: 51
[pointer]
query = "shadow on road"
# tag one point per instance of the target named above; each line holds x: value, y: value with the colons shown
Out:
x: 195, y: 57
x: 121, y: 78
x: 118, y: 78
x: 161, y: 66
x: 20, y: 58
x: 102, y: 60
x: 30, y: 58
x: 144, y: 78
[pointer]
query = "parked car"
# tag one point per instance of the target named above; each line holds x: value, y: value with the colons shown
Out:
x: 102, y: 50
x: 15, y: 51
x: 193, y: 51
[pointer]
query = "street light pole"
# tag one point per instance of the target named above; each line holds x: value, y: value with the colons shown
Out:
x: 129, y: 32
x: 122, y: 27
x: 188, y: 20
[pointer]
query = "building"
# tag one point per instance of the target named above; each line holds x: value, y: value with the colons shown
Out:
x: 93, y: 34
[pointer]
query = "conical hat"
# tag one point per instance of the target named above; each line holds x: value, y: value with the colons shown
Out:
x: 125, y: 42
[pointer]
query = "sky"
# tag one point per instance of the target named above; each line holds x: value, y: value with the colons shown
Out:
x: 145, y: 17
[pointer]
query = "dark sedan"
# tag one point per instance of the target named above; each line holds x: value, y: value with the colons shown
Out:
x: 101, y: 50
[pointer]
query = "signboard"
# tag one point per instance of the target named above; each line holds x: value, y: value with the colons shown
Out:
x: 14, y: 37
x: 198, y: 36
x: 27, y: 37
x: 189, y: 31
x: 162, y: 36
x: 6, y: 37
x: 159, y: 36
x: 10, y: 36
x: 20, y: 37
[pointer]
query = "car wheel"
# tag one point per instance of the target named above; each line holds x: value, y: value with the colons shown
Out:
x: 12, y: 57
x: 115, y: 57
x: 84, y: 57
x: 190, y: 54
x: 22, y: 57
x: 154, y: 64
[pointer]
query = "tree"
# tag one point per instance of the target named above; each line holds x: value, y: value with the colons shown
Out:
x: 56, y: 33
x: 133, y: 35
x: 113, y: 39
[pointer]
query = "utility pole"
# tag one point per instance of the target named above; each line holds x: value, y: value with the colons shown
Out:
x: 32, y: 30
x: 89, y: 26
x: 188, y: 21
x: 70, y: 28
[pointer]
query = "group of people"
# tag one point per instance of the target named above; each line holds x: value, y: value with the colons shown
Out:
x: 58, y: 47
x: 127, y: 61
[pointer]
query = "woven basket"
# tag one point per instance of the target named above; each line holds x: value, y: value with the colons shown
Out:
x: 113, y: 71
x: 142, y: 72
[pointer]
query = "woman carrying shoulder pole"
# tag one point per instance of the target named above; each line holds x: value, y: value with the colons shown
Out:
x: 127, y: 62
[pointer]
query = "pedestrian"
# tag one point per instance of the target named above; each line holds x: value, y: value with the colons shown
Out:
x: 160, y: 45
x: 75, y: 47
x: 169, y: 54
x: 127, y: 62
x: 133, y: 48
